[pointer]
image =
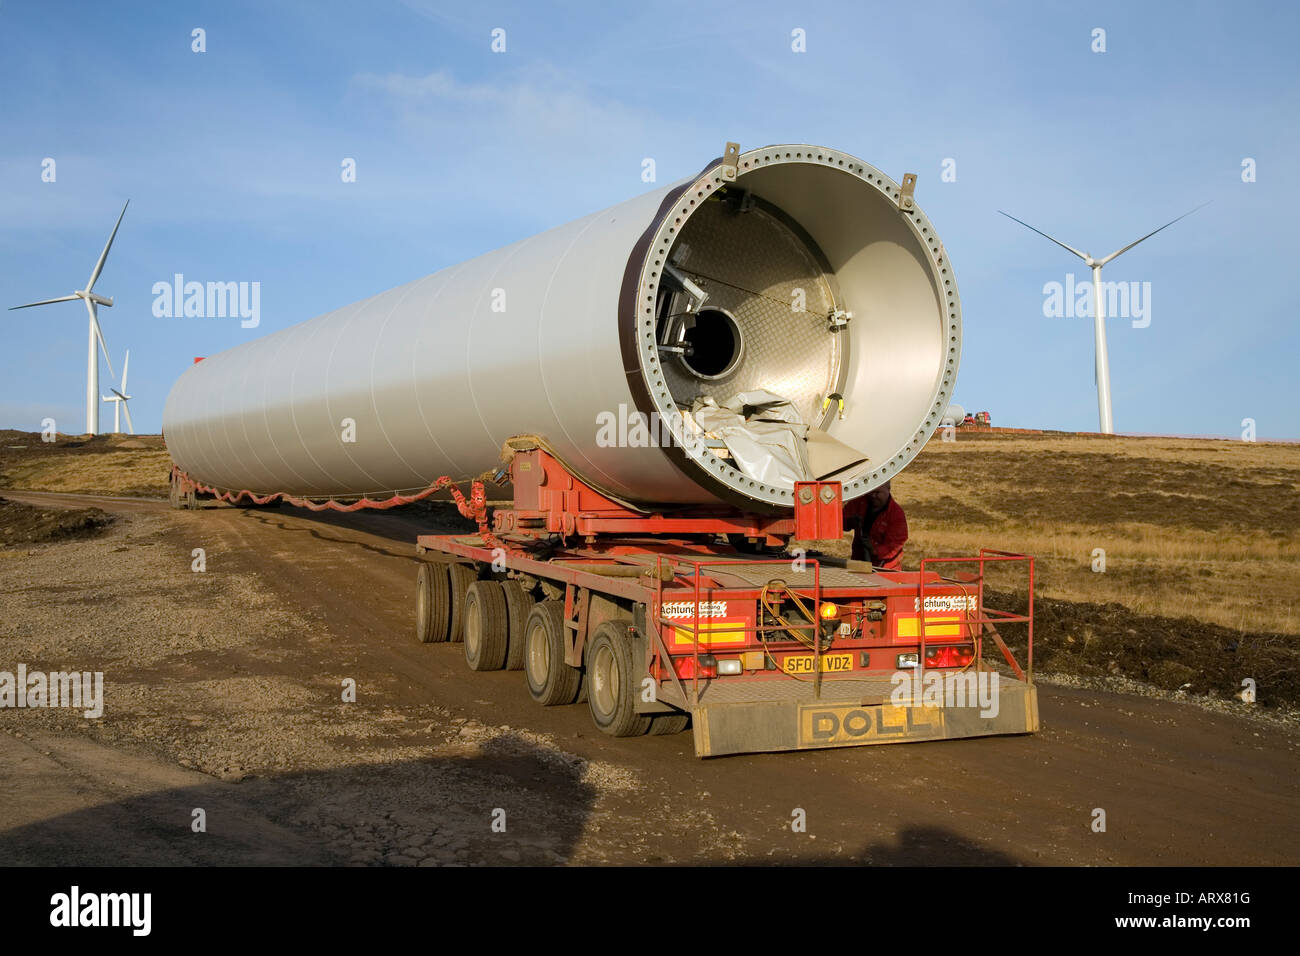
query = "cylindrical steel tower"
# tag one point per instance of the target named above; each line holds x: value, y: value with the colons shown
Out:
x: 796, y: 269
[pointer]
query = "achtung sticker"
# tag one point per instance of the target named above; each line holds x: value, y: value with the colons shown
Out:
x: 687, y: 609
x: 947, y: 602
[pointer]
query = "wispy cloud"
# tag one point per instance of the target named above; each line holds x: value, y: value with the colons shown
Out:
x: 534, y: 99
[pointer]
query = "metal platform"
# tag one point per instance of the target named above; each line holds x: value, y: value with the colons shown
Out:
x: 758, y: 574
x: 725, y: 690
x: 754, y: 574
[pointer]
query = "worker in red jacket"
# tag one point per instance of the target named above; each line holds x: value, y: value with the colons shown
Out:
x: 879, y: 528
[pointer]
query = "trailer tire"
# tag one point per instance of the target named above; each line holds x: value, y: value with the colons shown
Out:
x: 550, y: 680
x: 612, y: 685
x: 432, y: 606
x: 664, y: 725
x: 518, y: 605
x: 485, y: 626
x: 459, y: 578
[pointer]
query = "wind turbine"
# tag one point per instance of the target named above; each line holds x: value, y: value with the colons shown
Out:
x: 1099, y: 311
x: 120, y: 399
x: 93, y: 301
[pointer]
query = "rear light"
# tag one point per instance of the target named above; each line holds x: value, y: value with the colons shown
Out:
x: 908, y: 660
x: 729, y: 665
x: 685, y: 666
x: 949, y: 655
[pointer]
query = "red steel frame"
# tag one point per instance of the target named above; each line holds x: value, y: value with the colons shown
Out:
x: 550, y: 501
x: 691, y: 581
x: 985, y: 616
x: 698, y: 578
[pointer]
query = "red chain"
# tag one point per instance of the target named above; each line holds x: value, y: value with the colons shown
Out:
x: 474, y: 507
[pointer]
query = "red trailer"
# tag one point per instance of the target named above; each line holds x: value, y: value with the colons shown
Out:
x: 663, y: 619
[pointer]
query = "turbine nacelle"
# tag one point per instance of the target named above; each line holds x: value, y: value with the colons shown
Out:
x: 120, y: 400
x: 95, y: 297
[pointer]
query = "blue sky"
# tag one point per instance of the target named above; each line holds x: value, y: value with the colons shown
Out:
x: 231, y: 159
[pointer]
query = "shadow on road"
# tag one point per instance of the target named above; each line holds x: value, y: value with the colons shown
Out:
x: 448, y: 806
x: 934, y: 846
x: 401, y: 525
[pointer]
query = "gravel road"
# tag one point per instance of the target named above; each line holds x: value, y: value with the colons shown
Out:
x: 224, y: 694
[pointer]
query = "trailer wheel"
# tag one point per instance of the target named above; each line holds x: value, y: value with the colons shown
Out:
x: 550, y: 680
x: 459, y: 578
x: 485, y: 626
x: 666, y: 724
x: 518, y: 605
x: 611, y: 680
x: 432, y: 607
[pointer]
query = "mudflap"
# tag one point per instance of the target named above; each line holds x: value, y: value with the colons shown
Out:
x: 736, y: 727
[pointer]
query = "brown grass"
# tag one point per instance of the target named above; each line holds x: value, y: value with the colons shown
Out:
x: 134, y: 466
x: 1190, y: 528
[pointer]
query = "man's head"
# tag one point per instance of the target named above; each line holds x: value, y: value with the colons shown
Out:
x: 877, y: 498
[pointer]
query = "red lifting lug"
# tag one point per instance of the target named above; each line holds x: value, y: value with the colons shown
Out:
x: 818, y: 510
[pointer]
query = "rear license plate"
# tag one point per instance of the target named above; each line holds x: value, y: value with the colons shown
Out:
x: 804, y: 663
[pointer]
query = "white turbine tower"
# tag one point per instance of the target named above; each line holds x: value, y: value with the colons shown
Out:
x: 120, y: 399
x: 1099, y: 311
x: 92, y: 301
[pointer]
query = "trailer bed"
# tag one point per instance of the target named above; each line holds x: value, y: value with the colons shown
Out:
x: 687, y: 606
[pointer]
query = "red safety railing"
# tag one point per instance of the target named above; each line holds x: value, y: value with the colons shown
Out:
x: 985, y: 617
x: 757, y: 628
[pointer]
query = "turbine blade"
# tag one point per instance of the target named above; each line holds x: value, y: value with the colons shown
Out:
x: 125, y: 362
x: 99, y: 266
x: 120, y: 396
x: 94, y: 324
x: 65, y: 298
x: 126, y: 410
x: 1081, y: 255
x: 1120, y: 252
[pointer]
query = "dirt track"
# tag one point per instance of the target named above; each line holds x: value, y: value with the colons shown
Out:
x: 1179, y: 784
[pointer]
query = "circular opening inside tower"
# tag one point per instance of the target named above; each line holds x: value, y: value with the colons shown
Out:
x: 714, y: 345
x: 848, y: 316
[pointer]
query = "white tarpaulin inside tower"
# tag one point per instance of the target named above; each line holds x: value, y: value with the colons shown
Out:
x: 768, y: 441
